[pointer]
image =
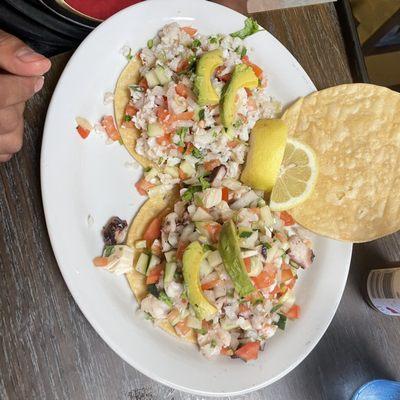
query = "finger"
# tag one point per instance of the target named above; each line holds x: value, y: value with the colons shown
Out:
x: 19, y: 59
x: 11, y: 142
x: 5, y: 157
x: 10, y: 118
x: 17, y: 89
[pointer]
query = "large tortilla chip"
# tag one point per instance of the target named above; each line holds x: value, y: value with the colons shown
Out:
x: 156, y: 206
x: 129, y: 76
x: 355, y: 132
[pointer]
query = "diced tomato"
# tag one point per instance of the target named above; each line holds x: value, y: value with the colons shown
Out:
x: 210, y: 284
x: 294, y: 312
x: 100, y: 261
x: 163, y: 140
x: 210, y: 165
x: 226, y: 351
x: 206, y: 324
x: 181, y: 149
x: 130, y: 111
x: 243, y: 308
x: 181, y: 328
x: 270, y: 269
x: 173, y: 315
x: 225, y: 194
x: 255, y: 210
x: 163, y: 114
x: 181, y: 249
x: 82, y: 131
x: 108, y: 124
x: 286, y: 275
x: 291, y: 283
x: 185, y: 116
x: 257, y: 70
x: 247, y: 263
x: 214, y: 230
x: 155, y: 274
x: 143, y: 84
x: 183, y: 65
x: 286, y: 218
x: 182, y: 175
x: 143, y: 186
x: 189, y: 30
x: 153, y: 231
x: 182, y: 90
x: 233, y: 143
x: 262, y: 280
x: 277, y: 290
x: 248, y: 351
x: 189, y: 148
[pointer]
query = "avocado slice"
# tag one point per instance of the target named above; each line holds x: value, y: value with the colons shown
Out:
x: 208, y: 62
x: 243, y: 76
x: 229, y: 249
x: 192, y: 258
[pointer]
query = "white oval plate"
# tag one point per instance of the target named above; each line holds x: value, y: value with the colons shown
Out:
x: 88, y: 177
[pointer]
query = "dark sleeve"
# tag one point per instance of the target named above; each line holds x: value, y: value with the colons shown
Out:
x: 39, y: 27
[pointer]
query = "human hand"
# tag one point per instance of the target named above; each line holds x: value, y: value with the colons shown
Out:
x: 21, y: 71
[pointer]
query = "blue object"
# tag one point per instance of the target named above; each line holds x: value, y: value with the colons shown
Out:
x: 380, y: 389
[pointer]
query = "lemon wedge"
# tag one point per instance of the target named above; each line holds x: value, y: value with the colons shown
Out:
x: 297, y: 176
x: 267, y: 146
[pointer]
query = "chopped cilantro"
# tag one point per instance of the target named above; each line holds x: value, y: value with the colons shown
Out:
x: 243, y: 53
x: 208, y: 247
x: 201, y: 114
x: 148, y: 316
x: 153, y: 290
x: 181, y: 132
x: 245, y: 234
x: 275, y: 308
x: 213, y: 343
x: 237, y: 124
x: 150, y: 43
x: 201, y: 331
x: 250, y: 27
x: 213, y: 40
x: 214, y: 134
x: 127, y: 118
x: 188, y: 195
x: 129, y: 55
x: 196, y: 43
x: 282, y: 322
x: 230, y: 293
x: 257, y: 301
x: 163, y: 297
x: 267, y: 245
x: 204, y: 183
x: 197, y: 153
x: 108, y: 250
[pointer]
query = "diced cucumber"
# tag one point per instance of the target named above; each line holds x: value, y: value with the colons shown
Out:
x: 150, y: 174
x: 214, y: 258
x: 193, y: 322
x: 173, y: 171
x: 228, y: 324
x: 256, y: 266
x: 154, y: 260
x: 187, y: 168
x: 201, y: 215
x: 151, y: 79
x: 170, y: 268
x: 170, y: 256
x: 155, y: 129
x: 205, y: 269
x: 142, y: 263
x: 266, y: 216
x: 140, y: 244
x: 163, y: 78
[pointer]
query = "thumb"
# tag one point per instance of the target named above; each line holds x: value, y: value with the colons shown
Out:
x: 19, y: 59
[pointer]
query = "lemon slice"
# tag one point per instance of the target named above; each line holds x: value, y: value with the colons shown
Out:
x: 297, y: 176
x: 267, y: 146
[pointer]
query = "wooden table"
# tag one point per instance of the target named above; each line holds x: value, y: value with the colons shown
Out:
x: 49, y: 350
